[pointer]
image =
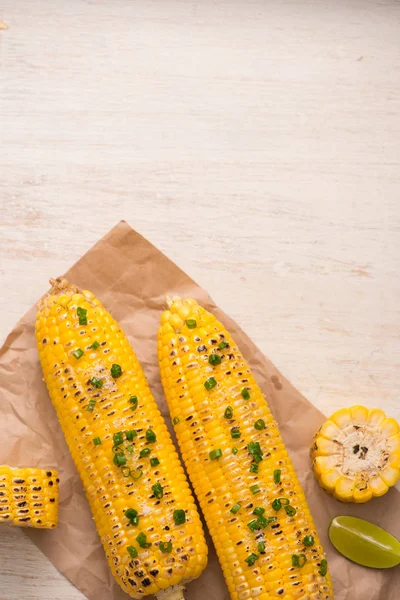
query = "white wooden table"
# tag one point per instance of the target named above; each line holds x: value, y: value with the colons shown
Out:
x: 256, y: 143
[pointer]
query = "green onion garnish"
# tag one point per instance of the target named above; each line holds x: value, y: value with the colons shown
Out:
x: 118, y: 438
x: 191, y: 323
x: 145, y: 452
x: 82, y: 315
x: 150, y: 436
x: 323, y: 567
x: 251, y: 559
x: 179, y: 516
x: 97, y: 441
x: 132, y: 551
x: 234, y: 450
x: 245, y: 393
x: 158, y: 491
x: 78, y: 353
x: 290, y: 510
x: 222, y: 345
x: 235, y: 433
x: 284, y: 501
x: 272, y: 520
x: 136, y: 474
x: 126, y: 471
x: 255, y: 449
x: 91, y: 405
x: 253, y: 525
x: 131, y: 513
x: 134, y: 401
x: 263, y: 522
x: 214, y: 359
x: 142, y: 540
x: 235, y: 508
x: 277, y: 476
x: 214, y: 454
x: 210, y: 383
x: 116, y: 371
x: 276, y: 505
x: 228, y: 414
x: 95, y: 345
x: 175, y: 420
x: 96, y: 382
x: 254, y: 489
x: 295, y: 560
x: 130, y: 449
x: 308, y: 541
x: 119, y: 459
x: 302, y: 559
x: 253, y: 468
x: 259, y: 511
x: 154, y: 461
x: 130, y: 435
x: 259, y: 424
x: 261, y: 547
x: 165, y: 547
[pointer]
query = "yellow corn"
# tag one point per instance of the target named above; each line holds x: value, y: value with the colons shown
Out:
x: 120, y: 445
x: 29, y: 497
x: 212, y: 394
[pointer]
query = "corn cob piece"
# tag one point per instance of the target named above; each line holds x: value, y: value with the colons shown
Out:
x: 140, y: 499
x: 356, y: 454
x: 29, y: 497
x: 242, y: 475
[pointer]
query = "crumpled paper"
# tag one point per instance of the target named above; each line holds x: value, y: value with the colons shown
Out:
x: 132, y: 278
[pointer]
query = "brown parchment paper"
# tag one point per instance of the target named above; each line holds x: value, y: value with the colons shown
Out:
x: 132, y: 278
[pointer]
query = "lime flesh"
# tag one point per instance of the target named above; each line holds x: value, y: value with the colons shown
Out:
x: 364, y: 543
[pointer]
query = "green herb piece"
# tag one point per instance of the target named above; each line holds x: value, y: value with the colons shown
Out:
x: 228, y: 414
x: 82, y: 315
x: 118, y: 438
x: 259, y: 424
x: 150, y: 436
x: 284, y: 501
x: 142, y: 540
x: 245, y: 393
x: 323, y: 569
x: 158, y: 490
x: 130, y: 449
x: 96, y: 382
x: 133, y: 553
x: 295, y: 560
x: 214, y: 454
x: 255, y: 449
x: 154, y: 461
x: 165, y: 547
x: 254, y: 489
x: 130, y: 435
x: 261, y: 547
x: 126, y: 471
x: 134, y: 401
x: 97, y: 441
x: 235, y: 433
x: 308, y: 541
x: 191, y: 323
x: 259, y: 511
x: 176, y: 420
x: 251, y: 559
x: 91, y: 405
x: 119, y: 459
x: 116, y: 371
x: 78, y: 353
x: 210, y: 383
x: 276, y: 505
x: 253, y: 525
x: 235, y: 508
x: 214, y: 359
x: 253, y: 468
x: 290, y: 511
x: 222, y: 345
x: 234, y: 450
x: 131, y: 513
x: 145, y: 452
x: 277, y: 476
x: 272, y: 520
x: 136, y: 474
x: 302, y: 560
x: 179, y: 517
x: 263, y: 522
x: 95, y: 345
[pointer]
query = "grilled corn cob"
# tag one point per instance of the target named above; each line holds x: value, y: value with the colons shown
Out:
x: 242, y: 475
x: 356, y: 454
x: 140, y: 499
x: 29, y: 497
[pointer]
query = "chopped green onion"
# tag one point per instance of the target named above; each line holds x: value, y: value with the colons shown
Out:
x: 253, y: 468
x: 116, y: 371
x: 165, y: 547
x: 228, y: 414
x: 130, y: 449
x: 91, y: 405
x: 119, y: 459
x: 323, y: 567
x: 134, y: 401
x: 235, y: 508
x: 150, y: 436
x: 277, y: 476
x: 290, y: 510
x: 261, y: 547
x: 214, y: 454
x: 255, y: 489
x: 82, y: 315
x: 130, y: 435
x: 131, y: 513
x: 116, y: 449
x: 255, y: 449
x: 263, y: 522
x: 154, y: 461
x: 259, y: 424
x: 179, y: 517
x: 234, y: 450
x: 302, y: 560
x: 95, y: 345
x: 276, y: 505
x: 145, y: 452
x: 284, y: 501
x: 245, y: 393
x: 142, y: 540
x: 97, y: 441
x: 158, y: 490
x: 235, y: 433
x: 78, y: 353
x: 259, y: 511
x: 210, y: 383
x: 272, y: 520
x: 118, y: 438
x: 222, y: 345
x: 251, y: 559
x: 308, y: 541
x: 96, y: 382
x: 136, y: 474
x: 133, y: 553
x: 175, y: 420
x: 126, y: 471
x: 295, y: 560
x: 253, y: 525
x: 214, y: 359
x: 191, y: 323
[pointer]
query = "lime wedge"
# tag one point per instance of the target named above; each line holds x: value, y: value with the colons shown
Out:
x: 364, y: 543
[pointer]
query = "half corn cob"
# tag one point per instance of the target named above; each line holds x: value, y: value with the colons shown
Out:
x: 254, y: 506
x: 29, y: 497
x: 140, y: 499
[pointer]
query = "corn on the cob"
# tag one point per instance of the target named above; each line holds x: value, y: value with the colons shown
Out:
x: 356, y: 454
x: 29, y: 497
x: 140, y: 499
x: 254, y: 506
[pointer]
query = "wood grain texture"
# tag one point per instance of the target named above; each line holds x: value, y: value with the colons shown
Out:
x: 256, y: 143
